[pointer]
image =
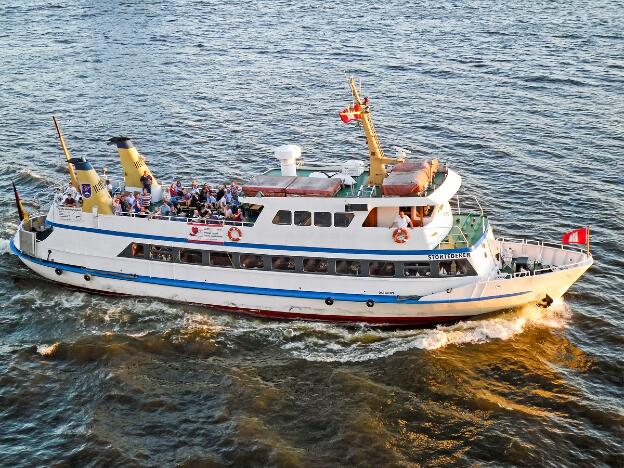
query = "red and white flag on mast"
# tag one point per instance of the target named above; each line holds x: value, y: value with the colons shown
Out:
x: 350, y: 114
x: 578, y: 236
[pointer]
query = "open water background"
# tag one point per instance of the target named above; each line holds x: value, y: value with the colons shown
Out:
x: 525, y: 99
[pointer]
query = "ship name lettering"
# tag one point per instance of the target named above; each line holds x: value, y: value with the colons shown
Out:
x: 448, y: 256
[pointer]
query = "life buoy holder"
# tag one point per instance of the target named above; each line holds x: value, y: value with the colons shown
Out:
x: 400, y: 235
x: 235, y: 234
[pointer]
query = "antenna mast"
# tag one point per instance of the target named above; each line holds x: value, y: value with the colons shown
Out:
x: 378, y: 160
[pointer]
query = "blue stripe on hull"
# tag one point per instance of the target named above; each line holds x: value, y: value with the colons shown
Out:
x: 246, y: 289
x: 293, y: 248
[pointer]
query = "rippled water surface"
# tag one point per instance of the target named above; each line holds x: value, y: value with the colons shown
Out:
x: 525, y: 99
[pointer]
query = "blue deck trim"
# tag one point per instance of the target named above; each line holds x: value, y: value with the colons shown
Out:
x: 247, y: 289
x: 290, y: 248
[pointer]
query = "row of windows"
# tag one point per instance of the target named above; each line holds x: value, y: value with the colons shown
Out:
x: 249, y: 261
x: 305, y: 218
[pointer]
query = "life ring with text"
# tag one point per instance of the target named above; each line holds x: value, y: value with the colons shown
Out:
x: 400, y: 235
x: 235, y: 234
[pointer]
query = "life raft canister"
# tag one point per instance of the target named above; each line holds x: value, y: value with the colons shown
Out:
x: 400, y: 235
x: 235, y: 234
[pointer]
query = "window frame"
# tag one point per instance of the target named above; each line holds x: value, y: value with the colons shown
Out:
x: 259, y: 256
x: 358, y: 262
x: 308, y: 218
x: 350, y: 216
x: 328, y: 213
x: 290, y: 218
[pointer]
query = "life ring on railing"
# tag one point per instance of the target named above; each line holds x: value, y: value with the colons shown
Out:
x: 400, y: 235
x: 235, y: 234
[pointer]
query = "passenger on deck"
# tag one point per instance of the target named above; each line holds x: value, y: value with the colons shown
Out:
x: 125, y: 205
x: 204, y: 193
x: 117, y: 206
x: 164, y: 209
x: 227, y: 212
x: 186, y: 197
x: 194, y: 201
x: 402, y: 221
x: 130, y: 199
x: 146, y: 199
x: 147, y: 181
x: 221, y: 192
x: 205, y: 211
x: 238, y: 214
x: 222, y: 203
x: 179, y: 188
x: 194, y: 188
x: 109, y: 187
x: 143, y: 212
x: 165, y: 196
x: 211, y: 199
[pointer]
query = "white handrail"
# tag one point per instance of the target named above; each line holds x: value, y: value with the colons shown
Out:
x: 538, y: 243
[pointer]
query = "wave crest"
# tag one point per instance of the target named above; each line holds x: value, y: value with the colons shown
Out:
x: 365, y: 344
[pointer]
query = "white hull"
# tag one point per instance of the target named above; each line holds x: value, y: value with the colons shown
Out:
x: 459, y: 303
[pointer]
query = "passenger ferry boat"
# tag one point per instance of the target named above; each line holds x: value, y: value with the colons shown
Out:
x: 316, y: 242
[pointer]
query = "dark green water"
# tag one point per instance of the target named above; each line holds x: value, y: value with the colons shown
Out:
x: 524, y: 99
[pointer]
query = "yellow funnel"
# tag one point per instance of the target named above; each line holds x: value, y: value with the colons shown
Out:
x: 134, y: 167
x: 92, y: 188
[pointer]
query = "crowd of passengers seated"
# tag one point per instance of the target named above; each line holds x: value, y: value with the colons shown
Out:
x: 200, y: 204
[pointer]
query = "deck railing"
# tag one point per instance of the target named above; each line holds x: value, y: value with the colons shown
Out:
x: 542, y: 244
x: 210, y: 221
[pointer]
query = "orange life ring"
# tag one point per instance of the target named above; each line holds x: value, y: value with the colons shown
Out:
x: 235, y: 234
x: 400, y: 235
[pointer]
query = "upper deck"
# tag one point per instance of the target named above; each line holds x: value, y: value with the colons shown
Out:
x: 361, y: 188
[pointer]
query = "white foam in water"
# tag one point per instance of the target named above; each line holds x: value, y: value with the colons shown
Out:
x: 48, y: 350
x: 364, y: 345
x: 4, y: 246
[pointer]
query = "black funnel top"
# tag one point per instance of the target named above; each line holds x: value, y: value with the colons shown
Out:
x: 121, y: 142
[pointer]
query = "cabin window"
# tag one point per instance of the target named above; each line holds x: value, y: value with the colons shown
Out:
x: 303, y: 218
x: 282, y: 263
x: 323, y: 219
x: 252, y: 261
x: 417, y: 269
x: 193, y: 257
x: 348, y: 267
x: 161, y: 253
x: 283, y: 217
x: 385, y: 269
x: 343, y: 219
x: 221, y: 259
x: 138, y: 250
x: 315, y: 265
x: 459, y: 267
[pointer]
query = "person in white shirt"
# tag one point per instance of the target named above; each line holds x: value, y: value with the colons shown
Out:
x: 402, y: 221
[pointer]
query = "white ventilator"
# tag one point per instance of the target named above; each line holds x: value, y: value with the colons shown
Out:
x: 288, y: 155
x: 401, y: 153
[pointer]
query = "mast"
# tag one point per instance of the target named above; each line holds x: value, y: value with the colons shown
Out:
x: 70, y: 168
x: 378, y: 159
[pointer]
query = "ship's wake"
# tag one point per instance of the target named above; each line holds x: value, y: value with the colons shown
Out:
x: 172, y: 325
x: 333, y: 344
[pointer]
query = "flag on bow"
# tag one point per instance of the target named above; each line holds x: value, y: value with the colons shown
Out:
x: 578, y: 236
